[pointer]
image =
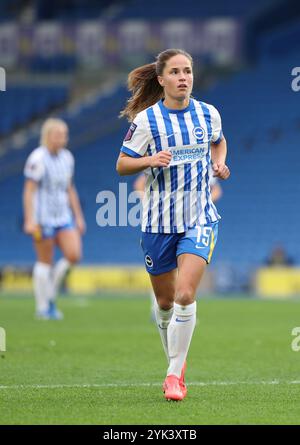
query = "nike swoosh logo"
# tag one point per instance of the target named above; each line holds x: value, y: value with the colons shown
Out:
x: 170, y: 135
x: 200, y: 247
x: 182, y: 321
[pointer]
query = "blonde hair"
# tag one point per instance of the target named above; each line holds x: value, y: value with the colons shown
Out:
x: 47, y: 126
x: 143, y: 84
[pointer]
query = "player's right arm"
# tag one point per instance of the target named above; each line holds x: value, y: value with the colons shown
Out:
x: 127, y: 165
x: 30, y: 225
x: 133, y: 157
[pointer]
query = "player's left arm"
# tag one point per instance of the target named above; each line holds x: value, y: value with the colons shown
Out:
x: 218, y: 157
x: 218, y: 146
x: 76, y: 208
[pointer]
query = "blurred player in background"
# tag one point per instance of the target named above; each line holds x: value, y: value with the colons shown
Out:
x: 52, y: 214
x: 176, y: 138
x: 139, y: 186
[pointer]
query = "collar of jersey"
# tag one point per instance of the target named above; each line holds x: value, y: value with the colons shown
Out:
x: 184, y: 110
x: 52, y: 155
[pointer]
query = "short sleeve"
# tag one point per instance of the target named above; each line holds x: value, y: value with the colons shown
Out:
x: 137, y: 137
x: 216, y: 123
x: 34, y: 167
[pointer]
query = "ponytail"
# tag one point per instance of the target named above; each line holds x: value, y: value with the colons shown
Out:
x: 145, y: 89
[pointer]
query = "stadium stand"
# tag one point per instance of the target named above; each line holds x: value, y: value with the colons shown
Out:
x: 176, y: 9
x: 33, y: 101
x: 260, y: 202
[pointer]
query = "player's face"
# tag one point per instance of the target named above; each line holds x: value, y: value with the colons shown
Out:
x: 177, y: 78
x: 58, y: 137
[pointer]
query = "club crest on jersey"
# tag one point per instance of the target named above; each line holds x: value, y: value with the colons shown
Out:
x: 198, y: 132
x: 148, y: 261
x: 130, y: 132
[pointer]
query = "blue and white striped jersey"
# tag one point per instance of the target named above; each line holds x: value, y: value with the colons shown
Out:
x: 212, y: 179
x: 53, y: 174
x: 177, y: 197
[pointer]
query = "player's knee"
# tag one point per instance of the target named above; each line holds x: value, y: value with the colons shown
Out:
x: 73, y: 257
x: 185, y: 295
x: 164, y: 303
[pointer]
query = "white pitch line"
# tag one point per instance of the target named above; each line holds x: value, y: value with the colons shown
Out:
x: 138, y: 385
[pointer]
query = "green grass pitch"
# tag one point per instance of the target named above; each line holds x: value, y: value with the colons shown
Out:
x: 104, y: 364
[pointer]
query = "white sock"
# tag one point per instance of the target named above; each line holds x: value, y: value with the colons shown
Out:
x: 42, y: 285
x: 180, y: 333
x: 163, y: 319
x: 58, y: 273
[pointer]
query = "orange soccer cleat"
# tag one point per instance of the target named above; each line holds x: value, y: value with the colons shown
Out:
x: 172, y: 388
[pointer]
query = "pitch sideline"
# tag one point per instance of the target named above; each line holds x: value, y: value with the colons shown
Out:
x: 138, y: 385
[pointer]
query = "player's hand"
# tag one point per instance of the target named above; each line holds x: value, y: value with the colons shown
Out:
x: 221, y: 171
x: 80, y: 224
x: 160, y: 159
x: 31, y: 228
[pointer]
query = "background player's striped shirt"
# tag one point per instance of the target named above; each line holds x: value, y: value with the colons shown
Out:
x: 177, y: 197
x: 53, y: 173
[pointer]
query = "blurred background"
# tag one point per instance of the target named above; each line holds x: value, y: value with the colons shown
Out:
x: 70, y: 59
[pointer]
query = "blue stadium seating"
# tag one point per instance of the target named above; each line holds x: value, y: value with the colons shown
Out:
x: 69, y: 10
x: 20, y: 104
x: 58, y: 63
x: 7, y: 9
x: 158, y: 10
x: 260, y: 207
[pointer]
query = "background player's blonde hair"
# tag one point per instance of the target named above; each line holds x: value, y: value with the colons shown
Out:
x: 144, y: 86
x: 47, y: 126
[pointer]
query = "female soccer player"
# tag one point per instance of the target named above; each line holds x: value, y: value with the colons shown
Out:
x: 139, y: 186
x: 52, y: 214
x: 174, y: 138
